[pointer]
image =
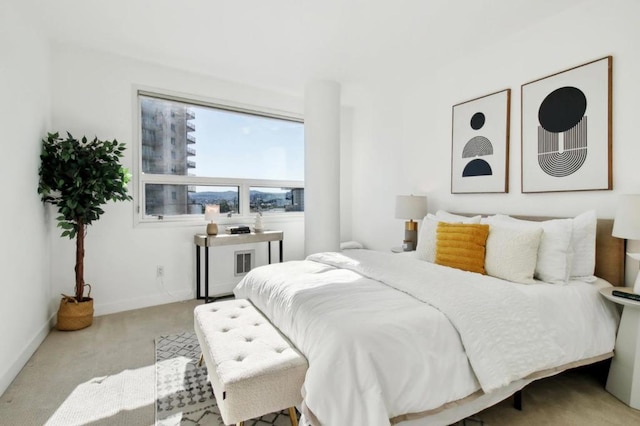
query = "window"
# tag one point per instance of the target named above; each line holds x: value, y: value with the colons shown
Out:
x: 271, y: 200
x: 193, y: 154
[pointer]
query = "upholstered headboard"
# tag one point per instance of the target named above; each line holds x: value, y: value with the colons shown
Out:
x: 609, y: 250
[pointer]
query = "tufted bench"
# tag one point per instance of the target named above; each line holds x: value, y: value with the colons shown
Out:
x: 254, y: 370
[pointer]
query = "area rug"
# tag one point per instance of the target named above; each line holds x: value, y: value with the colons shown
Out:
x: 184, y: 396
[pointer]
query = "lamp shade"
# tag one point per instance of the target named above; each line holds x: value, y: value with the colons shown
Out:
x: 411, y: 206
x: 627, y: 222
x: 211, y: 211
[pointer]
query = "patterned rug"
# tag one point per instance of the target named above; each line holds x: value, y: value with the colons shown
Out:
x: 184, y: 396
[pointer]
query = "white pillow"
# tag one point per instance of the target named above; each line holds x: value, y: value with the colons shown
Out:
x: 554, y: 253
x: 583, y: 243
x: 426, y: 248
x: 350, y: 245
x: 445, y: 216
x: 511, y: 253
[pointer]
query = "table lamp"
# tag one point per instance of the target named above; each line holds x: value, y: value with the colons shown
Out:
x: 410, y: 207
x: 627, y: 225
x: 211, y: 211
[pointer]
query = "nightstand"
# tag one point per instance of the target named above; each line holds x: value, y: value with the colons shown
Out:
x: 624, y: 375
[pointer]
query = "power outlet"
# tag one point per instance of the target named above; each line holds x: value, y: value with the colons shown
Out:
x: 160, y: 271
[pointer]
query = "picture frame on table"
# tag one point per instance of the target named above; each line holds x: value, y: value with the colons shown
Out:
x: 480, y: 144
x: 566, y: 130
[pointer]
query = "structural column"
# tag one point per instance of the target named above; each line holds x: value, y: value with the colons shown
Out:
x: 322, y: 167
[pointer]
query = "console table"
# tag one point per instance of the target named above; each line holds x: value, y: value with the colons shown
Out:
x: 205, y: 241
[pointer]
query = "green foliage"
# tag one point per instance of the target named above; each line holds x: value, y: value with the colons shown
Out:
x: 224, y: 206
x: 79, y: 176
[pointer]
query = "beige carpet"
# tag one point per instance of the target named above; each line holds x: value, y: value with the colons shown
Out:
x: 104, y: 375
x: 573, y: 398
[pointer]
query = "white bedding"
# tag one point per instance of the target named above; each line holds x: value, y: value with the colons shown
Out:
x: 376, y: 352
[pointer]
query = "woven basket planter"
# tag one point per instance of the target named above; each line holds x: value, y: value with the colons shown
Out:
x: 74, y: 315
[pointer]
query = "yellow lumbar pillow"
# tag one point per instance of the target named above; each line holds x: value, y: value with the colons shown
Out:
x: 461, y: 246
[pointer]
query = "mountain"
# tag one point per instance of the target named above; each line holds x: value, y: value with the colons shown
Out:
x: 210, y: 197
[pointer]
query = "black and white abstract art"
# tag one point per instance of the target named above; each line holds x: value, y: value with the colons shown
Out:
x: 480, y: 144
x: 566, y: 130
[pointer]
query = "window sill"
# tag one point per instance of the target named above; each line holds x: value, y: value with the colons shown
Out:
x: 177, y: 222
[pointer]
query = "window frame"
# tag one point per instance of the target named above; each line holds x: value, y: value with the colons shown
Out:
x: 139, y: 179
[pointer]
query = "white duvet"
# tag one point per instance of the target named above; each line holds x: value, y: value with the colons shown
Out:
x: 388, y: 335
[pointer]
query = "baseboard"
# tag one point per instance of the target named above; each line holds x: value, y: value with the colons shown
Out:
x: 99, y: 309
x: 141, y: 302
x: 25, y: 354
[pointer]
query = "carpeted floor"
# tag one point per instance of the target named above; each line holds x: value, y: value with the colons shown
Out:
x: 104, y: 375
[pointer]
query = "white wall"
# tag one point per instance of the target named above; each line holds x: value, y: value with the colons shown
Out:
x: 24, y: 253
x: 416, y: 121
x: 93, y: 94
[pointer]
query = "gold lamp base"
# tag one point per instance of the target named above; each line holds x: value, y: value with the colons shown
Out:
x: 212, y: 228
x: 410, y: 235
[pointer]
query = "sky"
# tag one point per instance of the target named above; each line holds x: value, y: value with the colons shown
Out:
x: 260, y: 147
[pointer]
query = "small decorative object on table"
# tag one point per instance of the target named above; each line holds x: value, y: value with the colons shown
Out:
x: 238, y: 230
x: 626, y: 295
x: 258, y: 225
x: 211, y: 211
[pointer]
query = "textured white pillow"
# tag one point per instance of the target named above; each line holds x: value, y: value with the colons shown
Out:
x: 583, y: 243
x: 554, y: 253
x: 511, y: 253
x: 426, y: 248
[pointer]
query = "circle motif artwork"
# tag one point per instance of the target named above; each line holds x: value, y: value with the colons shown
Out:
x: 562, y: 138
x: 477, y: 121
x: 562, y: 109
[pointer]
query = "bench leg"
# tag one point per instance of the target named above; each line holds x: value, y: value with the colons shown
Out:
x: 294, y: 416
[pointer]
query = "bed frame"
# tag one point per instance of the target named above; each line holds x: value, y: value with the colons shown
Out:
x: 610, y: 253
x: 610, y: 256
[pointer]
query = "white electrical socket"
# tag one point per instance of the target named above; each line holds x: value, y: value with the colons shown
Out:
x: 160, y: 271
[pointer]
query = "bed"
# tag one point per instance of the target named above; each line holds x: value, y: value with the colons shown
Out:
x: 395, y: 339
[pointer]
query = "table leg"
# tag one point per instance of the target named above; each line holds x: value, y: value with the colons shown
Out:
x: 269, y: 250
x: 198, y: 272
x: 281, y: 251
x: 206, y: 274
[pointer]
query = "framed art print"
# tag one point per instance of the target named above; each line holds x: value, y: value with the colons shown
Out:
x: 566, y: 130
x: 480, y: 144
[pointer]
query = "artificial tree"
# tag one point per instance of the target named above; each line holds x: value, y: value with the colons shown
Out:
x: 78, y: 177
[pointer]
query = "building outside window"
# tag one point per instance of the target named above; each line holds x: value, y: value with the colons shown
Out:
x: 194, y: 154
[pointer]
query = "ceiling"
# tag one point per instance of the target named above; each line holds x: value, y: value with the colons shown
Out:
x: 281, y: 44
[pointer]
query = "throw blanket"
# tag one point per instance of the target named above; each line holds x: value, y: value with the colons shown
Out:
x: 499, y: 328
x: 376, y: 350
